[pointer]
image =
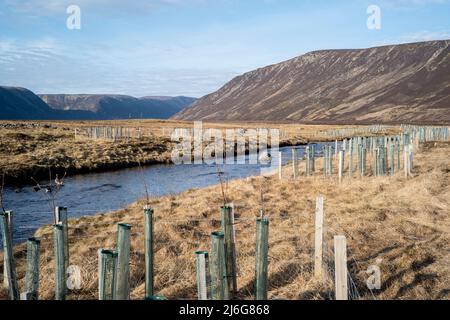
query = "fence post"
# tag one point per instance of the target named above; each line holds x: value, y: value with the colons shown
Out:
x: 9, y: 220
x: 10, y: 266
x: 262, y: 250
x: 32, y: 273
x: 359, y: 157
x: 148, y: 247
x: 330, y: 161
x: 325, y: 160
x: 340, y: 265
x: 202, y: 279
x: 378, y: 162
x: 294, y: 163
x: 318, y: 235
x: 405, y: 161
x: 364, y: 162
x: 336, y: 149
x: 308, y: 161
x: 350, y: 160
x: 107, y: 270
x: 341, y: 165
x: 219, y: 290
x: 230, y: 263
x: 280, y: 165
x: 61, y: 218
x: 410, y: 158
x: 392, y: 159
x: 123, y: 262
x: 60, y: 265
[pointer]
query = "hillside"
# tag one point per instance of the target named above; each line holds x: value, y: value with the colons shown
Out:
x: 107, y: 107
x: 399, y: 83
x: 20, y: 103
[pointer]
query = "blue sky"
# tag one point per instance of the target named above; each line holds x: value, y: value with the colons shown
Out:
x: 189, y: 47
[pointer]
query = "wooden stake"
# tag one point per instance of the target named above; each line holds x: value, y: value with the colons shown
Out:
x: 308, y: 161
x: 363, y: 161
x: 280, y: 165
x: 330, y: 161
x: 341, y: 165
x: 202, y: 279
x: 318, y: 245
x: 313, y: 160
x: 336, y: 149
x: 392, y: 159
x: 340, y: 264
x: 406, y: 161
x: 350, y: 161
x: 294, y: 163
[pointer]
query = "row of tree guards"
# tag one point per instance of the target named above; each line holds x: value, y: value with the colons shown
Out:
x: 386, y: 153
x: 216, y: 269
x: 109, y: 133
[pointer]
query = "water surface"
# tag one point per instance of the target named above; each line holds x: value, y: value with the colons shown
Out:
x: 93, y: 193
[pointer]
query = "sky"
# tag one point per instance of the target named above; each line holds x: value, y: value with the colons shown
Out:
x: 189, y: 47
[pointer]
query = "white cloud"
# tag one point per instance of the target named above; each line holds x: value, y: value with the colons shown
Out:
x: 45, y: 65
x: 409, y: 4
x: 417, y: 37
x: 52, y: 7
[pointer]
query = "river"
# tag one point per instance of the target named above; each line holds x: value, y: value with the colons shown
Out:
x: 93, y: 193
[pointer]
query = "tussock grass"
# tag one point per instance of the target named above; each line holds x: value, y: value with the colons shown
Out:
x: 403, y: 222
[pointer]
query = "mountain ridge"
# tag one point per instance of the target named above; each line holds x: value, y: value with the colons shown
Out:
x: 18, y: 103
x: 115, y: 106
x: 390, y: 83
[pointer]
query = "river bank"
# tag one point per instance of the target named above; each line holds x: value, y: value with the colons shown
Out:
x: 31, y: 149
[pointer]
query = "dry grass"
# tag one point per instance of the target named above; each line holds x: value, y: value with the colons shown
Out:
x: 27, y: 150
x: 30, y: 152
x: 404, y: 222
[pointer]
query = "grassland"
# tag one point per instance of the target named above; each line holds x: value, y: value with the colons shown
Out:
x: 30, y: 149
x: 404, y: 222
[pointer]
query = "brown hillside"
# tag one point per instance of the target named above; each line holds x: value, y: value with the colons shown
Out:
x: 400, y: 83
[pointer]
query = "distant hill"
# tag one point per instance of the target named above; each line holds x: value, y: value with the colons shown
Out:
x: 118, y: 106
x: 22, y: 104
x: 398, y: 83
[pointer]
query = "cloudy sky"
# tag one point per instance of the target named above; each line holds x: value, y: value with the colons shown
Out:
x: 189, y: 47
